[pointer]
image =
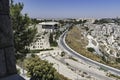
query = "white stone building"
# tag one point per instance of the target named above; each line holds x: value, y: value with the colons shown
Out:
x: 42, y: 42
x: 48, y: 27
x: 44, y: 29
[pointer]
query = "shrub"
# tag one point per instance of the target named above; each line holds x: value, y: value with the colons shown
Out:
x: 91, y: 49
x: 62, y: 54
x: 42, y: 70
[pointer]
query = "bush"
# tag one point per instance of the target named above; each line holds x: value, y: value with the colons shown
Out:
x: 38, y: 50
x: 91, y: 49
x: 54, y: 44
x: 67, y: 64
x: 62, y: 54
x: 73, y: 58
x: 118, y: 60
x: 104, y: 69
x: 18, y: 71
x: 115, y: 76
x: 51, y: 41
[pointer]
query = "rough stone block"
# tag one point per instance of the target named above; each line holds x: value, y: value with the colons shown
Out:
x: 4, y: 6
x: 7, y: 58
x: 6, y: 37
x: 10, y: 60
x: 2, y: 63
x: 13, y: 77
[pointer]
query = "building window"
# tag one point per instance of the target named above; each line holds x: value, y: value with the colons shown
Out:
x: 41, y: 43
x: 33, y: 46
x: 42, y: 37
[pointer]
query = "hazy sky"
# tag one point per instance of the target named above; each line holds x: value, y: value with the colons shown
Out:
x: 71, y: 8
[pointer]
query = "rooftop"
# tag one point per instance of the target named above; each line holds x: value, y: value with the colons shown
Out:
x: 48, y: 23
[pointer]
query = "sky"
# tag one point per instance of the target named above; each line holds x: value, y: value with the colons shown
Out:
x: 71, y: 8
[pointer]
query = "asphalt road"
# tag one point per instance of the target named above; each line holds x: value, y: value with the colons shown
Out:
x: 63, y: 45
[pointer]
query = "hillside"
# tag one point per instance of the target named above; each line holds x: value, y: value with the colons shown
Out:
x: 79, y: 38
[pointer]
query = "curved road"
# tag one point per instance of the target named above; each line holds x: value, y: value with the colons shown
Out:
x: 66, y: 48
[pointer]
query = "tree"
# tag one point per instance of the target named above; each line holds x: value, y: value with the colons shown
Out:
x: 23, y: 33
x: 91, y: 49
x: 96, y: 21
x: 51, y: 38
x: 51, y: 41
x: 84, y: 21
x: 104, y: 20
x: 39, y: 69
x: 35, y: 21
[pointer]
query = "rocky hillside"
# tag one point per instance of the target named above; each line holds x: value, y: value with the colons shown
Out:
x: 104, y: 38
x: 97, y: 42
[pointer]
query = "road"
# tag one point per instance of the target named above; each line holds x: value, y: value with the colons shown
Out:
x: 67, y: 49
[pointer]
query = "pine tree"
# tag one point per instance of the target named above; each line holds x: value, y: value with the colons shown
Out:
x: 23, y: 33
x: 39, y: 69
x: 51, y: 39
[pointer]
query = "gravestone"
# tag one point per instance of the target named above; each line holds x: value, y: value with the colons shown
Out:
x: 7, y: 58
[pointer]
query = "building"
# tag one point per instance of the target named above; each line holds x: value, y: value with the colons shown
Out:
x: 48, y: 27
x: 89, y: 20
x: 44, y: 29
x: 41, y: 42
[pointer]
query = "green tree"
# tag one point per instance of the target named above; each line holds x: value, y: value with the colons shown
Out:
x: 84, y: 21
x: 96, y: 21
x: 51, y: 41
x: 51, y: 38
x: 91, y: 49
x: 42, y: 70
x: 39, y: 69
x: 35, y: 21
x: 24, y: 32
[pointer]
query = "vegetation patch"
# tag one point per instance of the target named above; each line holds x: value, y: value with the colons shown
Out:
x: 104, y: 69
x: 90, y: 49
x: 62, y: 54
x: 38, y: 50
x: 73, y: 58
x: 52, y: 42
x: 114, y: 76
x: 39, y: 69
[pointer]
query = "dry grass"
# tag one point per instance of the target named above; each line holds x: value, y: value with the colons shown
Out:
x: 78, y: 43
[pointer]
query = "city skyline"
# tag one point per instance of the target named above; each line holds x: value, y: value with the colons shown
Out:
x: 71, y: 8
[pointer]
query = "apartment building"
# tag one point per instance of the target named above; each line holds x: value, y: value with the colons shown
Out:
x: 44, y: 29
x: 41, y: 42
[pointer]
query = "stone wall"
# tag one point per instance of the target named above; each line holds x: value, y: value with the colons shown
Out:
x: 7, y: 58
